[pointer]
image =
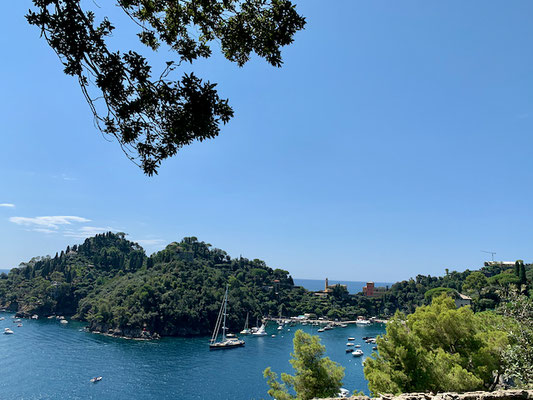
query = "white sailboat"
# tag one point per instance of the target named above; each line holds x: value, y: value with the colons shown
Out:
x: 225, y: 343
x: 246, y: 330
x: 261, y: 331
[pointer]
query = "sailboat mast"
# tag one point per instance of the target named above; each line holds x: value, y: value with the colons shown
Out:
x: 225, y: 307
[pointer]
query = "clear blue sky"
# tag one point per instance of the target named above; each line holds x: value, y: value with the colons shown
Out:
x: 396, y: 140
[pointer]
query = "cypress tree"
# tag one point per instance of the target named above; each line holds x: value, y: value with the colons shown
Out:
x: 517, y: 268
x: 523, y: 279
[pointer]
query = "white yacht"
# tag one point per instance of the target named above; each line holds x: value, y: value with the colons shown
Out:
x: 357, y: 353
x: 8, y: 331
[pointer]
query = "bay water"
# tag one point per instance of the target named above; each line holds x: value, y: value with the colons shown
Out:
x: 44, y: 359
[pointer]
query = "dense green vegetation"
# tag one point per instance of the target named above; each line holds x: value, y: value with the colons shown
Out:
x: 518, y: 356
x: 438, y: 348
x: 315, y: 376
x: 111, y: 283
x: 483, y: 286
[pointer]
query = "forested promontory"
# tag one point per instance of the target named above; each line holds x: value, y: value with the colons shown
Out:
x: 112, y: 284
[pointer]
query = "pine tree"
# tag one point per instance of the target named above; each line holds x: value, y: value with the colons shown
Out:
x: 316, y: 376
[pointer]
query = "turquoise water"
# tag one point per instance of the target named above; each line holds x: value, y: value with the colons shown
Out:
x: 47, y: 360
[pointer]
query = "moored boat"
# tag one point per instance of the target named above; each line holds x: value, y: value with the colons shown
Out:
x: 226, y: 342
x: 8, y: 331
x: 261, y: 331
x: 357, y: 353
x: 246, y: 330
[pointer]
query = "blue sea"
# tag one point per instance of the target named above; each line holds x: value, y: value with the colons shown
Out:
x: 44, y: 359
x: 352, y: 286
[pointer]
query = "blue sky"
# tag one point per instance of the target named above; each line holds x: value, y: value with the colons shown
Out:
x: 396, y: 140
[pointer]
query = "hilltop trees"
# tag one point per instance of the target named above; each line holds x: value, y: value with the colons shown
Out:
x: 150, y: 114
x: 316, y: 376
x: 437, y: 348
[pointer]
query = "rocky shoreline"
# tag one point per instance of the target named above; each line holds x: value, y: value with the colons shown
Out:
x: 132, y: 334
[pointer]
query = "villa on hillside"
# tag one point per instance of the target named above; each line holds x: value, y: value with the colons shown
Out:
x: 370, y: 290
x: 462, y: 300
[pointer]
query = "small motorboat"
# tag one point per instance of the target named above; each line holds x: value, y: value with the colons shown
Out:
x: 64, y: 321
x: 2, y: 318
x: 34, y: 316
x: 349, y: 344
x: 375, y: 348
x: 344, y: 393
x: 19, y: 325
x: 231, y: 335
x: 8, y: 331
x: 357, y: 345
x: 17, y: 321
x: 97, y: 379
x: 280, y: 328
x: 349, y: 350
x: 321, y: 330
x: 351, y: 339
x: 273, y: 335
x: 357, y: 353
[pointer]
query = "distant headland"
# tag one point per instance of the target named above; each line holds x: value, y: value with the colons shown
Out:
x: 110, y: 282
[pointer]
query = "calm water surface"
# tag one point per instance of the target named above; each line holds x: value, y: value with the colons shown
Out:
x: 47, y: 360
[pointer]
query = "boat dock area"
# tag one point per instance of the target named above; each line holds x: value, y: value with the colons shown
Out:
x: 316, y: 322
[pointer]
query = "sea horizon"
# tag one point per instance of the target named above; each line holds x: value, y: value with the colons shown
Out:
x: 353, y: 287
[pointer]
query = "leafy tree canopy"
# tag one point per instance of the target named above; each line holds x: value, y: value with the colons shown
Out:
x: 438, y: 348
x: 519, y: 354
x: 316, y: 376
x: 151, y: 115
